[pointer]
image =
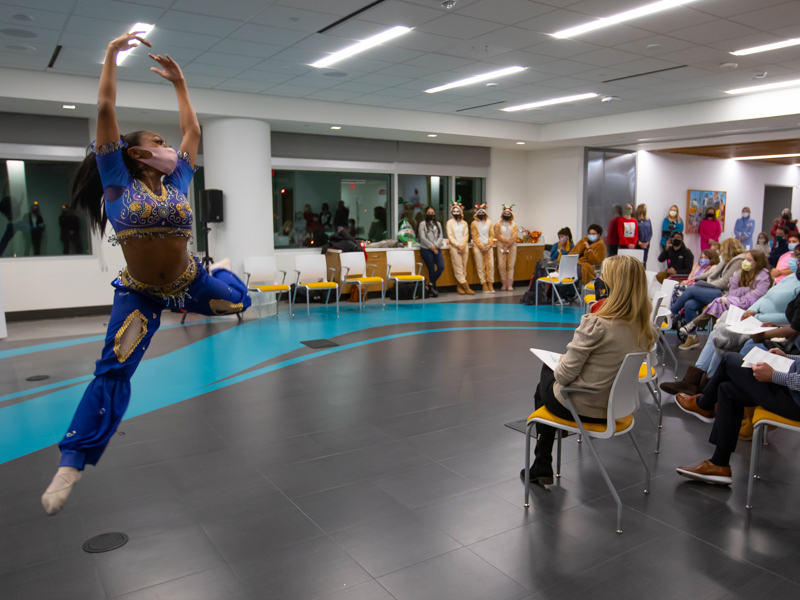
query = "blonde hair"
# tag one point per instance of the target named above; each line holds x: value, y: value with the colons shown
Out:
x: 677, y: 213
x: 641, y: 212
x: 730, y: 249
x: 627, y: 297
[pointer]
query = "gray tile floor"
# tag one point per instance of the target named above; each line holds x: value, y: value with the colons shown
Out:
x: 377, y: 488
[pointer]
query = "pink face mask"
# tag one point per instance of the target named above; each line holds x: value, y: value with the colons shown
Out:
x: 162, y: 159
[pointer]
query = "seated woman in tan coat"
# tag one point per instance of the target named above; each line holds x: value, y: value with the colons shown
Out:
x: 591, y: 250
x: 594, y: 356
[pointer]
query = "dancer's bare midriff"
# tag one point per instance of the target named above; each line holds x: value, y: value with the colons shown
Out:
x: 157, y: 261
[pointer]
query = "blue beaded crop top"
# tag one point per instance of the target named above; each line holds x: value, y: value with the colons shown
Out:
x: 133, y: 209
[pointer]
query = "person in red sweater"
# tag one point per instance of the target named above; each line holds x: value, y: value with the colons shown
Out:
x: 785, y: 221
x: 628, y: 229
x: 710, y: 229
x: 612, y: 239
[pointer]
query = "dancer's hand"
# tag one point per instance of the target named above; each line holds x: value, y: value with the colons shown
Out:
x: 763, y: 372
x: 128, y: 41
x: 170, y: 69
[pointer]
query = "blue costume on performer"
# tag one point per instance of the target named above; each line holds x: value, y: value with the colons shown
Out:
x: 135, y: 211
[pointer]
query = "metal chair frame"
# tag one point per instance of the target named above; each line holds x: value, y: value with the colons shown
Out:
x: 319, y: 275
x: 402, y: 265
x: 567, y: 263
x: 760, y: 439
x: 345, y: 277
x: 264, y: 269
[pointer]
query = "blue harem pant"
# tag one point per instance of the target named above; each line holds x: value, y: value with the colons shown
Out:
x: 135, y: 317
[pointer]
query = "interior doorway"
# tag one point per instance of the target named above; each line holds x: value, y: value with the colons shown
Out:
x: 776, y: 198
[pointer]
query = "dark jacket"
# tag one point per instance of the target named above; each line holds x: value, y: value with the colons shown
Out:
x: 778, y: 250
x: 341, y: 217
x: 681, y: 259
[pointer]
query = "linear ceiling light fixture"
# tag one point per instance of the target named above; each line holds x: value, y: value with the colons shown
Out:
x: 145, y: 28
x: 765, y: 157
x: 375, y: 40
x: 475, y: 79
x: 767, y: 47
x: 542, y: 103
x: 642, y: 11
x: 765, y: 87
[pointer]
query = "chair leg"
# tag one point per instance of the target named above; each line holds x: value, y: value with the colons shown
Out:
x: 656, y: 392
x: 277, y: 306
x: 580, y: 438
x: 383, y: 293
x: 754, y: 452
x: 183, y: 318
x: 337, y: 302
x: 423, y: 292
x: 608, y: 483
x: 669, y: 351
x: 558, y: 453
x: 644, y: 462
x: 527, y: 463
x: 308, y: 302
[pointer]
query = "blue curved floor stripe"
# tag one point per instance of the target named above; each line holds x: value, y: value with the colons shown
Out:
x: 34, y: 424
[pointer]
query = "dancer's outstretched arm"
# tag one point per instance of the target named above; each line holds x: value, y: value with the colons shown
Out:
x: 190, y: 127
x: 107, y: 129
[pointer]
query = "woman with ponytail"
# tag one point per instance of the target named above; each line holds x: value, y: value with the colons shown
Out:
x: 138, y: 183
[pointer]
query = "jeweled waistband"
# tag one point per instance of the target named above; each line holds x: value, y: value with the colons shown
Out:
x: 175, y: 291
x: 126, y: 235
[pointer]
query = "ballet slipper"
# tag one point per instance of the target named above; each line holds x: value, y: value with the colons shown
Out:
x: 59, y: 489
x: 225, y: 263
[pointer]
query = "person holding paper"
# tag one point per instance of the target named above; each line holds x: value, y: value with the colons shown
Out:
x: 594, y: 356
x: 733, y: 388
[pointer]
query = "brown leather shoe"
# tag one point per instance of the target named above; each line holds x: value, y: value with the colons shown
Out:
x: 688, y: 404
x: 708, y: 472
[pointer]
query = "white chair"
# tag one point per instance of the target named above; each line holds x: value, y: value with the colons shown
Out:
x: 312, y: 274
x: 662, y: 318
x: 649, y: 377
x: 651, y: 282
x: 636, y: 253
x: 400, y: 268
x: 622, y: 404
x: 260, y: 275
x: 354, y: 272
x: 567, y: 274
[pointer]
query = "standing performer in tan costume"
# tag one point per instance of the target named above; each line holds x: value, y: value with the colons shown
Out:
x: 482, y: 243
x: 506, y: 231
x: 458, y: 234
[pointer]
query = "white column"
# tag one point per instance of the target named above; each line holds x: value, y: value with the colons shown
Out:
x: 238, y: 160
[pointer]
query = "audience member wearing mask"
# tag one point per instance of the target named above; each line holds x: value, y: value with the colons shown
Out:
x: 746, y: 286
x: 779, y: 247
x: 564, y: 245
x: 781, y: 269
x: 784, y: 221
x: 672, y: 224
x: 628, y: 229
x: 678, y: 257
x: 709, y: 260
x: 763, y: 243
x: 744, y: 228
x: 591, y: 251
x: 771, y: 308
x: 430, y: 248
x: 731, y: 390
x: 612, y: 235
x: 709, y: 229
x: 645, y: 228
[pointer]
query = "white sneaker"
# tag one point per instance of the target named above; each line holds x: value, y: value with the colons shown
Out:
x: 688, y: 328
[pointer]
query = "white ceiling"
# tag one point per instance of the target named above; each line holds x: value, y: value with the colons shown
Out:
x: 265, y: 46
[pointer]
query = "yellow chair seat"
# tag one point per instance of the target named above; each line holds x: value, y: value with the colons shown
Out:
x: 765, y: 415
x: 544, y: 414
x: 556, y: 279
x: 320, y: 285
x: 643, y: 371
x: 589, y: 298
x: 278, y: 287
x: 364, y: 280
x: 589, y: 286
x: 408, y: 277
x: 664, y: 325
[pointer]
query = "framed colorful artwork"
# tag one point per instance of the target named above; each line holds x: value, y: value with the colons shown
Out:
x: 698, y: 202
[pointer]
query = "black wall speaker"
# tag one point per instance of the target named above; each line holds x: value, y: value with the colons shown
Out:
x: 209, y: 206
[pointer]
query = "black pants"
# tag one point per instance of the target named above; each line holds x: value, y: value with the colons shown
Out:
x: 545, y: 396
x: 732, y: 388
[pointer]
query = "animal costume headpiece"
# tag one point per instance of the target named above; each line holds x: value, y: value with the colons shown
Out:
x: 457, y: 208
x: 480, y: 210
x: 508, y: 211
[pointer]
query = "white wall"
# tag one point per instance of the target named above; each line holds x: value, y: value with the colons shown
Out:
x: 664, y: 179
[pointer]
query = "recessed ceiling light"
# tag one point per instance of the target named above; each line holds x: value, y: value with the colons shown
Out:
x: 492, y: 84
x: 432, y: 135
x: 68, y: 106
x: 145, y: 29
x: 18, y: 33
x: 729, y: 65
x: 336, y: 128
x: 609, y: 98
x: 520, y: 143
x: 766, y: 86
x: 475, y: 79
x: 371, y: 42
x: 653, y: 46
x: 22, y: 17
x: 766, y: 156
x: 542, y: 103
x: 621, y: 17
x: 761, y: 75
x: 767, y: 47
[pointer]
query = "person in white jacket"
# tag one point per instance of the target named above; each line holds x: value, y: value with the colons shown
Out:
x: 458, y: 234
x: 482, y: 245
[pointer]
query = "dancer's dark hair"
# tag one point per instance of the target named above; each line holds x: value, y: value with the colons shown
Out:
x: 87, y: 187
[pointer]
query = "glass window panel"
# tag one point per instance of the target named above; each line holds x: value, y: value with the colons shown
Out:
x: 34, y: 216
x: 418, y: 192
x: 470, y: 190
x: 312, y: 203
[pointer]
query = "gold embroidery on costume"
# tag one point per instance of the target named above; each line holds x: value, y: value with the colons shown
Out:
x: 122, y: 356
x: 175, y: 290
x: 224, y: 307
x: 145, y: 214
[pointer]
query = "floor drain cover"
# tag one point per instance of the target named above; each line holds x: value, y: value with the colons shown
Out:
x: 316, y: 344
x: 37, y: 378
x: 105, y: 542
